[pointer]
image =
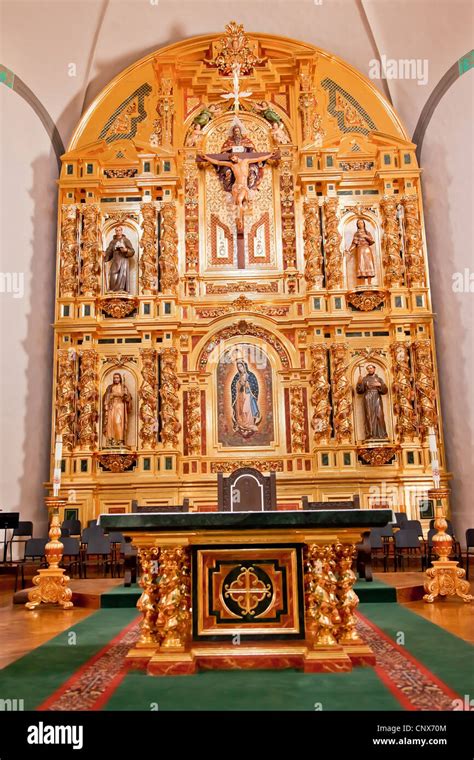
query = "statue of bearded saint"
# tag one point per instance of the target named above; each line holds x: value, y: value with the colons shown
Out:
x: 117, y: 404
x: 372, y: 387
x: 119, y: 251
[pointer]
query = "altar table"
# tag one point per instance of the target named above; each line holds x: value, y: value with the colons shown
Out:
x: 238, y: 590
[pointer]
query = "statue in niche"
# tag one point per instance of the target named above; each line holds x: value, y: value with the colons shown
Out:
x: 244, y: 394
x: 117, y: 405
x: 372, y: 387
x: 119, y: 251
x: 361, y: 245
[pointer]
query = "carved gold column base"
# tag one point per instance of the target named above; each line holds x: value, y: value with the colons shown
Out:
x: 51, y: 582
x: 51, y: 588
x: 446, y: 579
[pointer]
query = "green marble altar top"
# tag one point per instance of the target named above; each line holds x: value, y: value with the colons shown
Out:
x: 191, y: 521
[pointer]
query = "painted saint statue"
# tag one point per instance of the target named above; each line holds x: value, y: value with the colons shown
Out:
x: 361, y: 246
x: 119, y: 251
x: 117, y: 404
x: 372, y: 387
x: 244, y: 392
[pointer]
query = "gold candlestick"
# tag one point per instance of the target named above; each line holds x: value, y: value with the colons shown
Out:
x: 51, y: 582
x: 445, y: 577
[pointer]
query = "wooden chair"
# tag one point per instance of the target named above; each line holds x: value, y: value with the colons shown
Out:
x: 246, y: 490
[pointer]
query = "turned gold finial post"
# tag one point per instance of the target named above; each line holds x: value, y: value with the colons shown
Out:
x: 445, y: 578
x: 51, y: 584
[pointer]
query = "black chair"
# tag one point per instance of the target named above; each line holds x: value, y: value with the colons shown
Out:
x: 98, y: 547
x: 413, y: 525
x: 72, y: 557
x: 117, y: 541
x: 469, y: 546
x: 20, y: 535
x: 380, y: 540
x: 92, y: 530
x: 73, y: 526
x: 401, y: 519
x: 407, y: 544
x: 35, y: 549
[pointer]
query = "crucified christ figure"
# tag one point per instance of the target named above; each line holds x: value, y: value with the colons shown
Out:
x: 240, y: 170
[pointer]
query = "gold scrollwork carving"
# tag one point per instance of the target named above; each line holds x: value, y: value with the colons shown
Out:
x: 69, y: 251
x: 425, y: 386
x: 319, y: 604
x: 414, y: 262
x: 148, y: 602
x: 234, y: 49
x: 191, y: 214
x: 313, y: 256
x: 366, y: 300
x: 169, y: 276
x: 378, y: 455
x: 341, y: 393
x: 262, y: 465
x: 149, y: 255
x: 88, y: 399
x: 148, y: 394
x: 347, y: 598
x: 193, y: 421
x: 118, y: 307
x: 174, y: 604
x: 169, y: 387
x: 116, y: 462
x: 392, y: 260
x: 66, y: 396
x: 287, y: 200
x: 297, y: 417
x: 90, y: 266
x: 320, y: 390
x: 242, y: 287
x: 403, y: 391
x: 332, y: 244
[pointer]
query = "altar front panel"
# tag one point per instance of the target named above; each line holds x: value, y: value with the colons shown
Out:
x: 252, y: 592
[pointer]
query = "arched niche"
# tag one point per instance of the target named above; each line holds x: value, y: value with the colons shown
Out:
x: 130, y: 379
x: 348, y: 228
x: 357, y: 370
x: 131, y: 230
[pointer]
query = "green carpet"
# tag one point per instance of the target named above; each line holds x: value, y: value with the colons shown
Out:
x: 447, y: 656
x: 39, y: 673
x: 121, y: 597
x: 254, y: 690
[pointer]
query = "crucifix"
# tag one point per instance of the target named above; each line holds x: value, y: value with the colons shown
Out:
x: 239, y: 165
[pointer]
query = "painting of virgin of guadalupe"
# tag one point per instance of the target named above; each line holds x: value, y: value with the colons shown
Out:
x: 245, y: 411
x: 244, y: 398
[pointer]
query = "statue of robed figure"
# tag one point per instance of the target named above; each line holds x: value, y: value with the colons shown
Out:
x: 119, y: 251
x: 117, y: 404
x: 372, y: 387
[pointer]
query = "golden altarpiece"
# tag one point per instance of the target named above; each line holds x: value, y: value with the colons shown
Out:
x: 242, y: 280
